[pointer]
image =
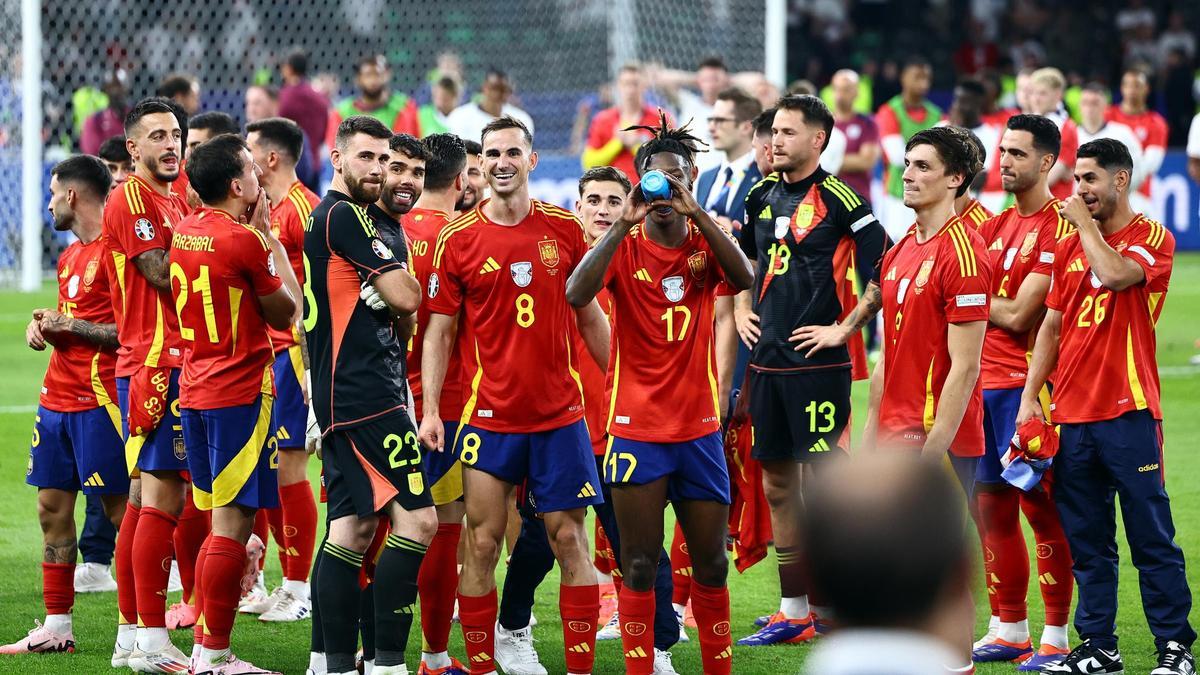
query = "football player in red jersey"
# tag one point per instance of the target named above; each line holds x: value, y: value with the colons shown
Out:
x: 1150, y: 128
x: 230, y: 280
x: 664, y: 442
x: 476, y: 185
x: 925, y: 393
x: 276, y: 145
x: 503, y: 267
x: 965, y: 205
x: 77, y: 434
x: 1021, y: 243
x: 137, y: 224
x: 1110, y: 280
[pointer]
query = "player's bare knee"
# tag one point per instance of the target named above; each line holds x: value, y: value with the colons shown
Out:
x: 641, y: 569
x: 55, y: 514
x: 419, y: 525
x: 353, y: 532
x: 710, y: 569
x: 484, y: 546
x: 569, y: 542
x: 114, y: 508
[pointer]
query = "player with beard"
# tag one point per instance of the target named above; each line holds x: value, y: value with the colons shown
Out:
x: 476, y: 184
x: 663, y: 444
x: 77, y: 434
x: 371, y: 456
x: 503, y: 267
x: 800, y: 366
x: 137, y: 226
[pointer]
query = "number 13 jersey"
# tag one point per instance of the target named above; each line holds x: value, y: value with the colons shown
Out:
x: 519, y: 372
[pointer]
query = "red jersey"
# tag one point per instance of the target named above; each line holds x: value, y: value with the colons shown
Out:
x: 926, y: 287
x: 288, y: 219
x: 1069, y: 146
x: 510, y: 284
x: 975, y: 214
x: 595, y: 403
x: 1106, y: 349
x: 219, y: 269
x: 999, y: 120
x: 421, y: 228
x: 603, y: 131
x: 663, y: 305
x: 1150, y: 129
x: 81, y: 374
x: 139, y: 219
x: 1017, y: 246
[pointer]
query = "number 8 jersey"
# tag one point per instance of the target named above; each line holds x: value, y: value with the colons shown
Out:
x: 520, y: 372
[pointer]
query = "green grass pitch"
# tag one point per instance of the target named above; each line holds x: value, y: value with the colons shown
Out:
x: 285, y: 646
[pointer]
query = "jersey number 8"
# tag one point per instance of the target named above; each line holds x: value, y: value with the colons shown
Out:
x: 525, y: 315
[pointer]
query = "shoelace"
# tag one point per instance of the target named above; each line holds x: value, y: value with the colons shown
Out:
x: 524, y: 647
x: 1170, y: 658
x: 662, y: 655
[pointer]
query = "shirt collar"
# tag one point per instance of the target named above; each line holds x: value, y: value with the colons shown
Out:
x: 740, y: 165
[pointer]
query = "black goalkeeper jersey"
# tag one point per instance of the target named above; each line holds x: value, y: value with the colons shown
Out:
x: 792, y: 230
x: 358, y: 361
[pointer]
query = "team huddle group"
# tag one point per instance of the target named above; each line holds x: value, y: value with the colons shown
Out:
x: 440, y: 351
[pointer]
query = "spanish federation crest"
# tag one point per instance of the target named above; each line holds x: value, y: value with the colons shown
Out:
x: 1027, y: 245
x: 804, y: 217
x: 548, y: 250
x: 673, y: 288
x: 89, y: 273
x: 923, y: 275
x: 698, y: 264
x: 522, y: 272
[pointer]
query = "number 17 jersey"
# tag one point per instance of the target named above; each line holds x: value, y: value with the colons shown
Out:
x: 520, y: 372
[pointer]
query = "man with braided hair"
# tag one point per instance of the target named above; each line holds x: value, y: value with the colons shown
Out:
x: 665, y: 262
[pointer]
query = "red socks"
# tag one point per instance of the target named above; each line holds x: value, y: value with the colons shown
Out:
x: 1000, y: 512
x: 189, y: 536
x: 126, y: 589
x: 152, y: 546
x: 299, y: 521
x: 602, y: 558
x: 989, y: 572
x: 579, y: 606
x: 223, y: 565
x: 681, y: 568
x: 58, y: 587
x: 436, y: 584
x: 262, y: 530
x: 198, y: 593
x: 1053, y: 555
x: 636, y: 609
x: 710, y: 606
x: 478, y: 617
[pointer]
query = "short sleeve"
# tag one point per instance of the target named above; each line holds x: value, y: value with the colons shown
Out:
x: 1056, y: 296
x: 136, y: 230
x: 445, y: 289
x: 618, y: 265
x: 886, y: 122
x: 352, y: 235
x: 1153, y: 249
x: 291, y: 235
x: 1157, y: 135
x: 746, y: 237
x: 257, y: 262
x: 966, y: 279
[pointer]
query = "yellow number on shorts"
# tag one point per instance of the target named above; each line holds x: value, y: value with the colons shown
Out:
x: 310, y: 301
x: 273, y: 446
x: 202, y: 285
x: 396, y: 445
x: 781, y: 257
x: 669, y: 317
x: 1096, y: 308
x: 470, y: 448
x: 610, y: 461
x: 525, y: 310
x: 824, y: 409
x: 37, y: 435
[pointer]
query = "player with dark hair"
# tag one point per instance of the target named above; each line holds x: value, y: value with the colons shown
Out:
x: 137, y: 225
x: 371, y: 456
x: 898, y: 119
x: 802, y: 225
x: 230, y: 280
x: 663, y: 447
x: 1021, y: 242
x: 926, y: 397
x: 762, y: 141
x: 503, y: 268
x: 1148, y: 125
x: 474, y: 190
x: 373, y: 77
x: 183, y: 90
x: 77, y: 430
x: 966, y: 205
x: 115, y: 156
x: 1110, y: 278
x: 276, y: 144
x: 208, y: 125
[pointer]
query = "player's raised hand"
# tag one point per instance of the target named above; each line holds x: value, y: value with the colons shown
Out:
x: 682, y: 199
x: 1075, y: 210
x: 260, y: 217
x: 816, y: 338
x: 33, y: 334
x: 747, y: 326
x: 432, y: 433
x: 636, y: 206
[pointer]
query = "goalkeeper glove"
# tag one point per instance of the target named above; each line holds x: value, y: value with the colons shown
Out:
x: 371, y: 296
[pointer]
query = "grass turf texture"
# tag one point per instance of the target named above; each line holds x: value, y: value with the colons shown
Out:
x: 285, y: 646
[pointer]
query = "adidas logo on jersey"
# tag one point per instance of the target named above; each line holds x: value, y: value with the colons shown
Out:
x: 643, y: 275
x: 94, y: 481
x: 765, y: 214
x: 587, y: 491
x: 891, y: 275
x: 489, y: 266
x: 997, y: 245
x: 1076, y: 265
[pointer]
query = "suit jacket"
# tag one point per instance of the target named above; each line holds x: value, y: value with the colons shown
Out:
x: 737, y: 208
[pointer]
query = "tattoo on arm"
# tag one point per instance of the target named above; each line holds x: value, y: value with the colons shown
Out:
x: 155, y: 266
x: 302, y: 340
x: 103, y: 334
x: 874, y: 298
x: 62, y: 552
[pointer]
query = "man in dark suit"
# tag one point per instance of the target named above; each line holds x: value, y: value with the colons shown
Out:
x: 722, y: 189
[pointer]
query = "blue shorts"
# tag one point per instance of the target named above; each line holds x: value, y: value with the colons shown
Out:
x: 76, y: 451
x: 1000, y: 408
x: 234, y: 458
x: 558, y: 463
x: 291, y: 413
x: 164, y: 449
x: 443, y: 471
x: 695, y: 469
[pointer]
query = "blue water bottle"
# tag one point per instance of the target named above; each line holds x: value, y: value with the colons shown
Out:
x: 655, y: 186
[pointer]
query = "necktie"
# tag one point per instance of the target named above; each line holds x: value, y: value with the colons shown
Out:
x: 718, y: 205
